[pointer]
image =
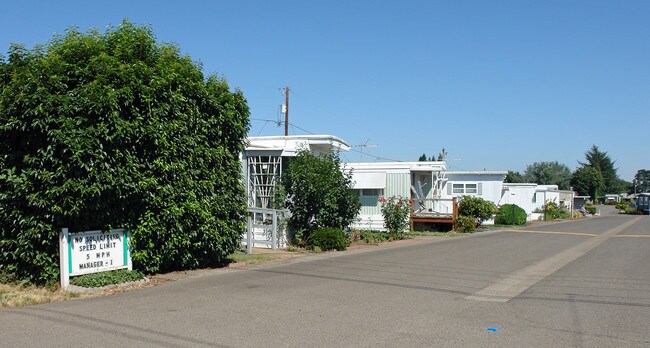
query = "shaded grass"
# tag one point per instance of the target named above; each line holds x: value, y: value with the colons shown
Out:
x: 254, y: 259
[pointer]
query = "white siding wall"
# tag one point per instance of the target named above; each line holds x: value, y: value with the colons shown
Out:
x: 397, y: 184
x: 489, y: 186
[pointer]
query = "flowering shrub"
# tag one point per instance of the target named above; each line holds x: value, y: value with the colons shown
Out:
x: 553, y: 211
x: 397, y: 213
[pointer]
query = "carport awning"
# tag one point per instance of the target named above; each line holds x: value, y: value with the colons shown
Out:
x: 369, y: 180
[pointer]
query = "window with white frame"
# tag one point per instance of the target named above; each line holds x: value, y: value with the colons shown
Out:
x: 465, y: 189
x: 471, y: 188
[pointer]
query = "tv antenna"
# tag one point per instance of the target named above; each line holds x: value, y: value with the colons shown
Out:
x: 364, y: 146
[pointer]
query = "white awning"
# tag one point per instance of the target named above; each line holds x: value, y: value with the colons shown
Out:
x: 376, y: 180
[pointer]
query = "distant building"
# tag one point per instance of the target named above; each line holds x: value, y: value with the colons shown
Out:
x: 533, y: 197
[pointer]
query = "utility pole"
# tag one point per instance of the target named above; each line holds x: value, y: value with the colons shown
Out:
x: 286, y: 111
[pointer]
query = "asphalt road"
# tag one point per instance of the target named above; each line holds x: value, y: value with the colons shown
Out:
x: 572, y: 284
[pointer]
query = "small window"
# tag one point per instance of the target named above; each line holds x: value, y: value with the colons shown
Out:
x: 461, y: 189
x: 369, y: 192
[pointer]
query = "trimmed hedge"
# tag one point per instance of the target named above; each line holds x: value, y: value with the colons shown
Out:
x: 113, y: 130
x: 328, y: 239
x: 465, y: 223
x: 505, y: 215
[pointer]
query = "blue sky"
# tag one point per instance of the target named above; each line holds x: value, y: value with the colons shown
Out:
x: 499, y: 84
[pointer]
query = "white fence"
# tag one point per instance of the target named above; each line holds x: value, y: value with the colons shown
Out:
x: 265, y: 228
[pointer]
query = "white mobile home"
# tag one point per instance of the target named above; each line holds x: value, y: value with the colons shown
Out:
x: 533, y: 197
x: 419, y: 180
x: 432, y: 189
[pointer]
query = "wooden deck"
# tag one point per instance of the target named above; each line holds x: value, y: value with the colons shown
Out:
x: 435, y: 218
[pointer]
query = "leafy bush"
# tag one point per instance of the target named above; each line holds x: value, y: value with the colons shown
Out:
x: 114, y: 130
x: 328, y: 239
x: 373, y: 236
x: 465, y: 223
x: 397, y: 214
x: 629, y: 210
x: 95, y: 280
x: 318, y: 194
x: 591, y: 209
x: 624, y: 208
x: 476, y: 207
x: 621, y: 206
x: 508, y: 212
x: 6, y: 278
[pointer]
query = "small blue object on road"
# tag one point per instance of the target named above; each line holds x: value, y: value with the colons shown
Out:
x: 493, y: 329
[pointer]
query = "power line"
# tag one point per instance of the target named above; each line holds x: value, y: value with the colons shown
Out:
x: 308, y: 132
x: 263, y: 119
x: 353, y: 149
x: 302, y: 129
x: 376, y: 157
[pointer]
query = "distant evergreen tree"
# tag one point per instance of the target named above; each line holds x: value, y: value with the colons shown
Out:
x: 601, y: 161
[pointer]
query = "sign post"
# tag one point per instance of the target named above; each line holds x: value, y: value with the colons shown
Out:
x: 92, y: 252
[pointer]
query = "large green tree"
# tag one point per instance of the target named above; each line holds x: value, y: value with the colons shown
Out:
x: 587, y: 181
x: 603, y: 162
x: 642, y: 181
x: 548, y: 173
x: 112, y: 129
x: 318, y: 194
